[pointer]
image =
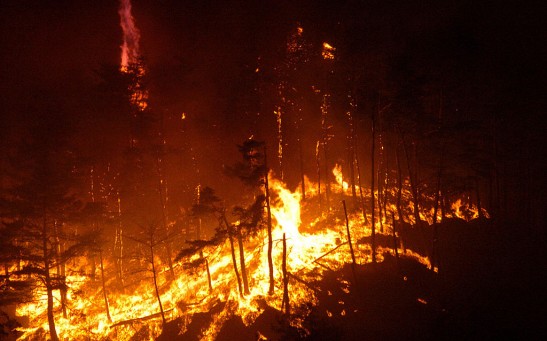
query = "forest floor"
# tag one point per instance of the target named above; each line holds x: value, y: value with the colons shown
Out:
x: 488, y: 287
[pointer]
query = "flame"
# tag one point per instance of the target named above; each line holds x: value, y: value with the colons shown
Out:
x: 131, y: 35
x: 312, y: 246
x: 328, y: 51
x: 337, y: 172
x: 131, y: 56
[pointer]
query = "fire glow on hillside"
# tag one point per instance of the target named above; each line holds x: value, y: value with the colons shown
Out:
x: 317, y: 244
x: 377, y: 171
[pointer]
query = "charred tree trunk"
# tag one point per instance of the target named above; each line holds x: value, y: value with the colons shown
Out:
x: 327, y: 181
x: 355, y: 204
x: 242, y: 263
x: 361, y: 196
x: 444, y: 206
x: 234, y: 262
x: 413, y: 184
x: 379, y: 185
x: 479, y: 204
x: 154, y: 276
x: 318, y: 166
x: 372, y: 199
x: 399, y: 185
x: 385, y: 187
x: 164, y: 223
x: 438, y: 189
x: 395, y: 248
x: 285, y: 303
x: 59, y: 249
x: 230, y: 231
x: 118, y: 245
x: 350, y: 244
x: 325, y: 139
x: 48, y: 281
x: 351, y: 157
x: 208, y: 275
x: 198, y: 237
x: 440, y: 170
x: 106, y: 307
x: 435, y: 255
x: 270, y: 240
x: 302, y: 178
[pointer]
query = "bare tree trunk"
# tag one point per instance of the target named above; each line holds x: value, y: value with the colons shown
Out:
x: 279, y: 117
x: 413, y: 184
x: 440, y: 170
x: 379, y: 185
x: 285, y: 303
x: 355, y: 204
x: 318, y: 166
x: 155, y: 280
x: 229, y: 228
x: 395, y: 249
x: 399, y: 185
x: 302, y: 178
x: 104, y: 288
x: 59, y: 249
x: 327, y: 181
x: 361, y: 196
x: 270, y: 240
x: 443, y: 206
x: 164, y: 223
x: 372, y: 198
x: 234, y: 262
x: 48, y: 282
x: 118, y: 246
x: 438, y: 190
x: 386, y: 186
x: 350, y: 244
x: 208, y: 275
x: 325, y: 138
x: 435, y: 255
x: 479, y: 204
x: 351, y: 158
x: 242, y: 263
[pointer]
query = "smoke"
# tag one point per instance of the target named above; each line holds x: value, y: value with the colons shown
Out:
x: 131, y: 35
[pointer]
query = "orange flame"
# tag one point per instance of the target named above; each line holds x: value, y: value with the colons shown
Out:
x: 131, y: 35
x: 311, y: 247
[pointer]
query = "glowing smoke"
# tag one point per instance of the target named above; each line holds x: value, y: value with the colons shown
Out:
x: 131, y: 35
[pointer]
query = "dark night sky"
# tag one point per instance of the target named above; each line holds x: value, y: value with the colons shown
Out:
x: 57, y: 45
x: 491, y: 51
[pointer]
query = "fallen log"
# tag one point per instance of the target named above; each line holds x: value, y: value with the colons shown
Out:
x: 139, y: 319
x: 298, y: 279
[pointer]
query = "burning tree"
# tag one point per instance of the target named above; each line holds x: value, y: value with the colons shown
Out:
x: 150, y: 239
x: 253, y: 171
x: 425, y: 164
x: 38, y: 207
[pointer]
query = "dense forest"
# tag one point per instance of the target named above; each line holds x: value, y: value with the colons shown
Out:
x: 247, y: 167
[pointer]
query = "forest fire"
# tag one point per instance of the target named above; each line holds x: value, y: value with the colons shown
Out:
x: 267, y: 171
x: 311, y: 247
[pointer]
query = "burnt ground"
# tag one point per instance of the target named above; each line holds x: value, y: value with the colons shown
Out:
x: 489, y: 286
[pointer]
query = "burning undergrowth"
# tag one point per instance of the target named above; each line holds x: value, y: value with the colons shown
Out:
x: 221, y: 284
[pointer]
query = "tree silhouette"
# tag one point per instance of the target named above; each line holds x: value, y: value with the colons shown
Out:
x: 37, y: 204
x: 253, y: 171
